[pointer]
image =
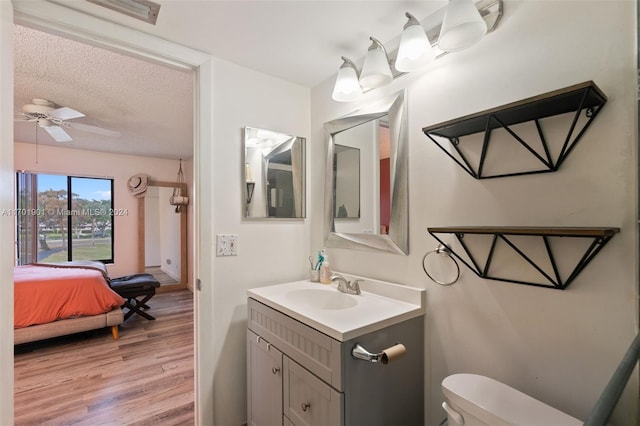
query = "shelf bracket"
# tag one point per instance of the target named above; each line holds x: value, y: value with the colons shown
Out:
x: 575, y: 99
x: 599, y: 238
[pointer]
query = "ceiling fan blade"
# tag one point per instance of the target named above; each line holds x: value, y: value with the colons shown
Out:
x: 91, y: 129
x: 24, y: 117
x: 65, y: 113
x: 58, y: 134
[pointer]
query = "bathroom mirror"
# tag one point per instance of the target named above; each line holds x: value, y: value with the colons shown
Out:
x: 162, y: 236
x: 378, y: 131
x: 273, y: 175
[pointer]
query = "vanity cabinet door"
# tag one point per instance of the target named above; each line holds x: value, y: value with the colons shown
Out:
x: 308, y: 400
x: 264, y: 382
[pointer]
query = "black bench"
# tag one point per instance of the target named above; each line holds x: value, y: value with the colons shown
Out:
x: 136, y: 290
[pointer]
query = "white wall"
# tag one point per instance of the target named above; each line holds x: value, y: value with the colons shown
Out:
x: 60, y: 160
x: 269, y: 251
x: 558, y: 346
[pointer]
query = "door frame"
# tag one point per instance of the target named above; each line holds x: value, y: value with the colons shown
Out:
x: 69, y: 23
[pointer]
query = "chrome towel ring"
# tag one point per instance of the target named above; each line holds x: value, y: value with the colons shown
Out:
x: 444, y: 250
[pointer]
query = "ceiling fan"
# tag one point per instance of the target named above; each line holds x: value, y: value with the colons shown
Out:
x: 53, y: 120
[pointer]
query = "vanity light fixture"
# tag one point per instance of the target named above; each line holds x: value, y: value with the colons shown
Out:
x: 415, y: 51
x: 462, y: 26
x: 376, y: 71
x: 347, y: 87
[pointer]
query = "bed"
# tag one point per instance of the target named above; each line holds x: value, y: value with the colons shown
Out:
x: 52, y: 300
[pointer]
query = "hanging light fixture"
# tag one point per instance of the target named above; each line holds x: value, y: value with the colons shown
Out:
x: 462, y: 26
x: 415, y: 50
x: 376, y: 71
x: 347, y: 87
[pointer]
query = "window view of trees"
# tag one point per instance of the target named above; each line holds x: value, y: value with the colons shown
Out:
x: 56, y: 227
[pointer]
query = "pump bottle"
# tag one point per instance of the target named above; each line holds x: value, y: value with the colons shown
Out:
x: 325, y: 271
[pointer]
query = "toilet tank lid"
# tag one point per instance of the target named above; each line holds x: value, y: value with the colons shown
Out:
x: 486, y: 398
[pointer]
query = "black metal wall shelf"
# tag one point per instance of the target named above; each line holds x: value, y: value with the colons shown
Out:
x: 584, y: 96
x: 599, y: 236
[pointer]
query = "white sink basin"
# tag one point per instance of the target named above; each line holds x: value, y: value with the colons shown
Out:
x: 339, y: 315
x: 322, y: 299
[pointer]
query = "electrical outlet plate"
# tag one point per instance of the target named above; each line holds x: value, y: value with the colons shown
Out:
x: 226, y: 245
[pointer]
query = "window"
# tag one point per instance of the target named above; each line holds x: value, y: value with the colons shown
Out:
x: 56, y: 227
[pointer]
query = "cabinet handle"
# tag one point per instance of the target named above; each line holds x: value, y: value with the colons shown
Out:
x: 258, y: 339
x: 306, y: 406
x: 275, y: 370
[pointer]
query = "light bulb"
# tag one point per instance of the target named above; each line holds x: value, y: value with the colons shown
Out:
x: 462, y: 26
x: 375, y: 71
x: 347, y: 87
x: 415, y: 50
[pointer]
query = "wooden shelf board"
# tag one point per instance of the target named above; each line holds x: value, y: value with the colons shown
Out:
x: 545, y: 105
x: 513, y: 230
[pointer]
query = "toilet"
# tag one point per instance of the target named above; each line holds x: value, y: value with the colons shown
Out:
x: 475, y: 400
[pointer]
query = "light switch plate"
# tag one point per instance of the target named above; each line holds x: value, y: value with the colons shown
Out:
x: 226, y: 245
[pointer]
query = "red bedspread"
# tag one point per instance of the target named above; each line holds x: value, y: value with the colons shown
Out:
x: 45, y: 294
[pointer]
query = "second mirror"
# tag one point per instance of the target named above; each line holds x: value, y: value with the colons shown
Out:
x: 273, y: 175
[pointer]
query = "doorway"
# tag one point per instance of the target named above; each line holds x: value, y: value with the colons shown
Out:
x: 49, y: 17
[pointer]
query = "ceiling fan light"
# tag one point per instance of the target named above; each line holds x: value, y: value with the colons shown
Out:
x: 376, y: 71
x: 347, y: 87
x: 462, y: 26
x: 415, y: 51
x: 36, y: 109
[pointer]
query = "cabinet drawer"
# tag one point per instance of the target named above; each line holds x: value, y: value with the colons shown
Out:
x: 308, y: 400
x: 316, y: 351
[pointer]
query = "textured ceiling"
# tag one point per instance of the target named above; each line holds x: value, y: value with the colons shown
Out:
x: 150, y: 105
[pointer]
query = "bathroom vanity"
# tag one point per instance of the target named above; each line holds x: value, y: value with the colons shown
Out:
x: 301, y: 370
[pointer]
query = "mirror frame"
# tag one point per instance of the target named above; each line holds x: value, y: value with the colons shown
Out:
x: 184, y: 274
x: 303, y: 183
x: 397, y: 241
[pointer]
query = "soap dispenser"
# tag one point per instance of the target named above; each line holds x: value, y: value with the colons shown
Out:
x: 325, y: 271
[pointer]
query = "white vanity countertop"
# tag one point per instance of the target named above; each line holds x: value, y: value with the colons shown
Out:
x: 339, y: 315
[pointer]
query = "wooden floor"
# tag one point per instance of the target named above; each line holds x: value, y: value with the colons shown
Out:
x: 143, y: 378
x: 162, y: 277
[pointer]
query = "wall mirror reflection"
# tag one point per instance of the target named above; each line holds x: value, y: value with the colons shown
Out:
x: 162, y: 235
x: 346, y: 182
x: 375, y: 187
x: 273, y: 180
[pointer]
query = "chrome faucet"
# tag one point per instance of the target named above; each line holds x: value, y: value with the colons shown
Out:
x: 345, y: 285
